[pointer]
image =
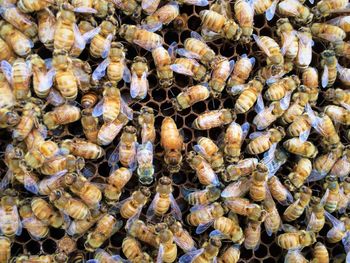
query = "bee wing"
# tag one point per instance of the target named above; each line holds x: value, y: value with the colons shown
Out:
x: 236, y: 189
x: 324, y: 77
x: 202, y: 227
x: 269, y: 156
x: 88, y: 36
x: 334, y: 221
x: 199, y: 149
x: 107, y: 46
x: 126, y: 74
x: 291, y: 6
x: 237, y: 89
x: 197, y: 36
x: 93, y: 261
x: 304, y: 135
x: 30, y: 184
x: 270, y: 12
x: 285, y: 101
x: 208, y: 170
x: 316, y: 122
x: 197, y: 207
x: 345, y: 105
x: 176, y: 211
x: 183, y: 244
x: 289, y: 37
x: 134, y: 85
x: 150, y: 211
x: 147, y: 3
x: 261, y: 45
x: 126, y: 110
x: 188, y: 54
x: 191, y: 256
x: 84, y: 9
x: 232, y: 65
x: 210, y: 35
x: 118, y: 258
x: 79, y: 41
x: 311, y: 221
x: 186, y: 191
x: 179, y: 68
x: 197, y: 2
x: 6, y: 180
x: 7, y: 70
x: 98, y: 109
x: 55, y: 98
x: 100, y: 71
x: 258, y: 134
x: 153, y: 27
x: 218, y: 234
x: 259, y: 106
x: 160, y: 254
x: 114, y: 157
x: 335, y: 21
x: 346, y: 244
x: 46, y: 81
x: 172, y: 50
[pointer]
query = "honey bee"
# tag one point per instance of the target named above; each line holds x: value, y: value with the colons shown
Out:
x: 204, y: 216
x: 162, y: 59
x: 231, y: 254
x: 257, y: 190
x: 20, y: 43
x: 331, y: 196
x: 89, y: 99
x: 69, y: 205
x: 116, y: 182
x: 202, y: 197
x: 242, y: 206
x: 102, y: 8
x: 149, y: 6
x: 18, y: 75
x: 340, y: 21
x: 141, y: 37
x: 215, y: 25
x: 64, y: 29
x: 339, y: 97
x: 146, y: 121
x: 190, y: 67
x: 139, y: 84
x: 236, y: 189
x: 214, y: 118
x: 304, y: 56
x: 89, y: 193
x: 289, y: 39
x: 34, y: 258
x: 302, y: 148
x: 267, y: 6
x: 163, y: 200
x: 252, y: 234
x: 131, y: 206
x: 295, y: 255
x: 296, y: 10
x: 242, y: 168
x: 5, y: 249
x: 115, y: 65
x: 129, y: 8
x: 138, y: 229
x: 228, y: 228
x: 210, y: 152
x: 46, y: 213
x: 248, y: 95
x: 222, y: 69
x: 144, y: 159
x: 325, y: 8
x: 338, y: 231
x: 241, y: 71
x: 190, y: 96
x: 320, y: 253
x: 131, y: 248
x: 106, y: 227
x: 167, y: 251
x: 10, y: 222
x: 204, y: 172
x: 82, y: 71
x: 273, y: 220
x: 8, y: 118
x: 316, y: 216
x: 43, y: 151
x: 341, y: 48
x: 82, y: 148
x: 280, y: 88
x: 343, y: 75
x: 344, y: 194
x: 172, y: 142
x: 262, y: 141
x: 296, y: 239
x: 327, y: 32
x: 8, y: 99
x: 244, y: 12
x: 194, y: 2
x: 46, y: 27
x: 104, y: 257
x: 6, y: 52
x: 207, y: 253
x: 271, y: 49
x: 296, y: 209
x: 181, y: 237
x: 59, y: 165
x: 342, y: 165
x: 31, y: 113
x: 36, y: 228
x: 300, y: 127
x: 90, y: 126
x: 329, y: 63
x: 110, y: 130
x: 300, y: 173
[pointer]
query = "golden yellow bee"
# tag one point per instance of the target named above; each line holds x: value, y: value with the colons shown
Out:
x: 8, y: 99
x: 103, y: 8
x: 129, y: 8
x: 139, y: 84
x: 343, y: 75
x: 252, y: 234
x: 280, y: 88
x: 143, y: 38
x: 257, y: 190
x: 296, y: 209
x: 215, y: 25
x: 202, y: 197
x: 36, y: 228
x: 242, y: 168
x: 232, y: 254
x: 297, y: 239
x: 116, y: 182
x: 210, y: 152
x: 172, y: 142
x: 132, y: 205
x: 162, y: 16
x: 316, y: 215
x: 108, y: 131
x: 64, y: 29
x: 329, y: 63
x: 131, y: 248
x: 104, y: 257
x: 105, y: 227
x: 144, y: 157
x: 242, y: 206
x: 342, y: 22
x: 301, y: 171
x: 28, y: 120
x: 302, y: 148
x: 10, y: 222
x: 145, y: 233
x: 262, y: 141
x: 149, y: 6
x: 203, y: 215
x: 327, y: 32
x: 342, y: 165
x: 228, y: 228
x: 331, y: 196
x: 339, y: 97
x: 327, y: 7
x: 6, y: 53
x: 82, y: 71
x: 34, y: 258
x: 40, y: 72
x: 339, y: 229
x: 241, y: 71
x: 5, y: 249
x: 89, y: 99
x: 214, y: 118
x: 295, y: 255
x: 234, y: 138
x: 181, y: 237
x: 90, y: 126
x: 222, y: 69
x: 207, y: 253
x: 46, y: 27
x: 181, y: 22
x: 40, y: 152
x: 32, y: 6
x: 279, y: 191
x: 244, y: 12
x: 320, y: 253
x: 190, y: 67
x: 296, y: 10
x: 8, y: 118
x: 82, y: 148
x: 342, y: 48
x: 324, y: 162
x: 273, y: 220
x: 167, y: 251
x: 162, y: 59
x: 45, y: 212
x: 146, y: 121
x: 190, y: 96
x: 20, y: 43
x: 289, y: 39
x: 268, y: 115
x: 304, y: 56
x: 69, y: 205
x: 271, y: 49
x: 300, y: 127
x: 204, y: 172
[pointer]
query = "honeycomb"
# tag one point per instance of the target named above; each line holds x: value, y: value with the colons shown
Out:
x: 160, y: 100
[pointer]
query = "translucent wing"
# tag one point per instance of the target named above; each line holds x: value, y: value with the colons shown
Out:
x: 218, y: 234
x: 259, y: 107
x: 55, y: 98
x: 269, y: 156
x: 46, y: 81
x: 150, y: 211
x: 83, y: 9
x: 197, y: 36
x: 19, y: 227
x: 191, y: 256
x: 7, y: 70
x: 289, y: 37
x: 147, y: 3
x: 199, y: 149
x: 160, y: 254
x: 325, y: 77
x: 261, y: 45
x: 107, y: 46
x: 6, y: 180
x: 175, y: 209
x: 184, y: 244
x: 252, y: 61
x: 92, y: 261
x: 171, y: 49
x: 210, y: 35
x: 188, y: 54
x: 79, y: 41
x: 126, y: 110
x: 304, y: 135
x: 120, y: 259
x: 334, y: 221
x: 202, y: 227
x: 114, y: 157
x: 134, y: 86
x: 98, y: 109
x: 237, y: 89
x: 286, y: 101
x: 126, y: 74
x: 30, y: 184
x: 346, y: 244
x: 232, y: 64
x: 100, y: 71
x: 88, y: 36
x: 257, y: 134
x: 236, y: 189
x: 197, y: 2
x: 134, y: 217
x: 153, y: 27
x: 179, y: 68
x: 290, y: 7
x: 270, y: 12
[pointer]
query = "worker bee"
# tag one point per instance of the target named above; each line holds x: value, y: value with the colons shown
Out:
x: 139, y: 84
x: 163, y: 200
x: 8, y: 118
x: 89, y: 99
x: 296, y: 209
x: 105, y: 227
x: 69, y: 205
x: 10, y: 222
x: 295, y: 255
x: 132, y: 248
x: 41, y: 152
x: 339, y: 97
x: 341, y: 48
x: 204, y: 216
x: 343, y: 75
x: 340, y: 21
x: 46, y: 185
x: 116, y: 182
x: 190, y: 67
x: 257, y: 190
x: 271, y: 49
x: 326, y: 8
x: 90, y: 126
x: 141, y: 37
x: 5, y: 249
x: 60, y: 165
x: 6, y: 52
x: 8, y: 99
x: 114, y: 65
x: 167, y: 251
x: 329, y: 63
x: 331, y: 196
x: 327, y: 32
x: 201, y: 197
x: 231, y: 254
x: 241, y: 71
x: 172, y: 142
x: 316, y: 215
x: 273, y: 220
x: 46, y: 27
x: 302, y: 148
x: 204, y: 172
x: 280, y: 88
x: 82, y: 148
x: 296, y: 239
x: 244, y: 12
x: 194, y: 2
x: 300, y: 173
x: 138, y: 229
x: 213, y: 119
x: 228, y: 228
x: 102, y: 8
x: 289, y: 39
x: 252, y: 234
x: 34, y: 258
x: 162, y: 59
x: 110, y: 130
x: 144, y: 157
x: 36, y: 228
x: 146, y: 121
x: 342, y: 165
x: 320, y: 253
x: 190, y: 96
x: 337, y: 232
x: 181, y: 237
x: 103, y: 256
x: 45, y: 212
x: 301, y: 125
x: 306, y: 43
x: 149, y: 6
x: 20, y: 43
x: 215, y: 25
x: 236, y: 189
x: 207, y: 253
x: 129, y: 8
x: 262, y: 141
x: 210, y: 152
x: 242, y: 206
x: 222, y: 69
x: 242, y: 168
x: 18, y: 75
x: 300, y: 13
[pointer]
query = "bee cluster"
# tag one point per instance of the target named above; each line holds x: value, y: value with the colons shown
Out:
x: 174, y: 131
